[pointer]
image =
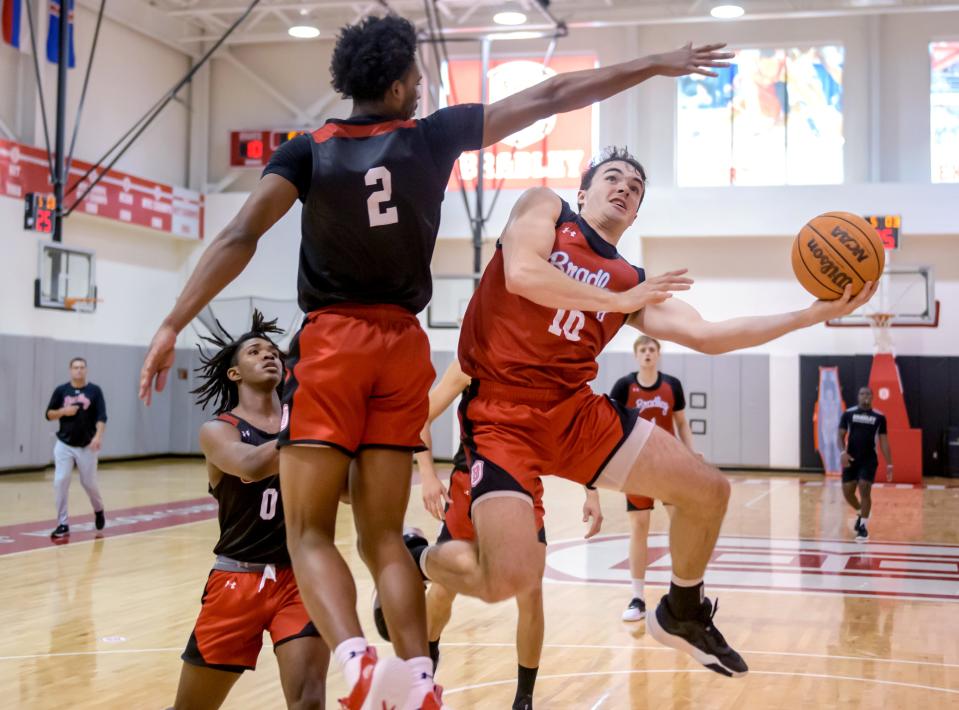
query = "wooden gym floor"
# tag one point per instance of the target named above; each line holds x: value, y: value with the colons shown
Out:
x: 823, y: 622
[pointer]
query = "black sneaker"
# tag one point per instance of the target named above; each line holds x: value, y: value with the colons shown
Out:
x: 379, y: 619
x: 862, y: 535
x: 636, y: 611
x: 416, y: 543
x: 858, y: 524
x: 697, y: 637
x: 60, y: 531
x: 99, y: 519
x: 523, y: 703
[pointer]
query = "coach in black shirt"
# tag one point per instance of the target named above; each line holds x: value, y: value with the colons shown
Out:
x: 79, y: 407
x: 864, y: 425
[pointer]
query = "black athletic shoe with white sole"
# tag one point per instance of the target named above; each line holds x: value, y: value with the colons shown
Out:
x: 698, y: 637
x: 60, y: 531
x: 99, y: 519
x: 523, y: 703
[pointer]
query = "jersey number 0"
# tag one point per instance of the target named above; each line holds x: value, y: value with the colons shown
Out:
x: 378, y: 216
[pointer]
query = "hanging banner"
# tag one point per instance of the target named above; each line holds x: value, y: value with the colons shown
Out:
x: 118, y: 196
x: 553, y: 151
x: 826, y: 416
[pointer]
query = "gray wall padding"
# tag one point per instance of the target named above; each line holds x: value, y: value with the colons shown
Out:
x: 736, y: 414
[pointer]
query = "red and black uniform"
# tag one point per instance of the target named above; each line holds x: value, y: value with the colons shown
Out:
x: 529, y: 411
x: 657, y: 404
x: 251, y: 588
x: 371, y: 192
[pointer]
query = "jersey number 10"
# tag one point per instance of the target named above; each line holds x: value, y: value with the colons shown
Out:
x: 378, y: 216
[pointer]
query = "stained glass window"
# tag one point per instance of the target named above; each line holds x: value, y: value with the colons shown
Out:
x: 773, y: 118
x: 944, y: 111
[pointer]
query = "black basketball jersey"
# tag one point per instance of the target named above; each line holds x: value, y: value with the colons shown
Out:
x: 252, y: 527
x: 863, y: 425
x: 372, y: 209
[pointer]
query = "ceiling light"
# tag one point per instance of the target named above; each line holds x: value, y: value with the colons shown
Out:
x: 727, y: 12
x: 304, y: 31
x: 514, y: 35
x: 509, y: 18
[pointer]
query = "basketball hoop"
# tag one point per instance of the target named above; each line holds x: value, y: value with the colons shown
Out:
x: 881, y: 324
x: 81, y: 305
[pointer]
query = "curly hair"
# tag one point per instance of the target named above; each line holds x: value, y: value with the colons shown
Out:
x: 370, y: 55
x: 216, y: 385
x: 609, y: 155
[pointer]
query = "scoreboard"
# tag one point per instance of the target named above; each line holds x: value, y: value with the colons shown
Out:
x: 887, y: 226
x: 253, y: 149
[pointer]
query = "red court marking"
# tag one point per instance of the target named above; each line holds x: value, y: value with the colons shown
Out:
x: 123, y: 521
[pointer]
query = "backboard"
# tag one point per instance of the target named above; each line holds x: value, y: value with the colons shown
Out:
x: 451, y: 296
x: 906, y: 293
x: 66, y: 278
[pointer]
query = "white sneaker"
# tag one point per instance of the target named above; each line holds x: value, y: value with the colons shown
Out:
x: 636, y: 611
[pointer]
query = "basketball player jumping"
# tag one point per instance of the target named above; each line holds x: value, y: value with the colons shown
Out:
x: 452, y: 507
x: 251, y: 588
x: 371, y: 187
x: 554, y: 294
x: 659, y: 398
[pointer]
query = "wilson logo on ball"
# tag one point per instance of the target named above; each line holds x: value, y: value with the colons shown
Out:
x: 835, y: 251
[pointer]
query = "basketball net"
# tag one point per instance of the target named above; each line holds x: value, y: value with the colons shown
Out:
x: 881, y: 326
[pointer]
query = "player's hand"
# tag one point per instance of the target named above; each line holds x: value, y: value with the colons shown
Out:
x: 653, y: 290
x: 691, y: 60
x: 96, y: 444
x: 889, y: 473
x: 435, y: 497
x: 845, y: 304
x: 592, y: 511
x: 844, y: 459
x: 70, y: 410
x: 157, y: 364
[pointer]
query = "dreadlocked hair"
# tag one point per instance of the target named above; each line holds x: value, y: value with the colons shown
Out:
x: 217, y: 387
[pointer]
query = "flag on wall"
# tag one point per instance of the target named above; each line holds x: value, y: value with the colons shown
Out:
x: 11, y: 22
x: 53, y: 33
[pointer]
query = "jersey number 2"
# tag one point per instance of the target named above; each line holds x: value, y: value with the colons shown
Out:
x: 378, y: 216
x: 575, y: 320
x: 268, y: 504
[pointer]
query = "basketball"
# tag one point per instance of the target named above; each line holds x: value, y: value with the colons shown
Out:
x: 835, y: 250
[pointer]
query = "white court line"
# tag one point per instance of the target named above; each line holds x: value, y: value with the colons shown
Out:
x: 591, y: 674
x: 493, y: 644
x: 599, y: 702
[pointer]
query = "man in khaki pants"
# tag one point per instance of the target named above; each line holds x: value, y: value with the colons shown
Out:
x: 79, y: 407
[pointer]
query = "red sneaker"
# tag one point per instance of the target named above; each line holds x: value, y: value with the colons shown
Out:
x: 382, y: 685
x: 433, y: 700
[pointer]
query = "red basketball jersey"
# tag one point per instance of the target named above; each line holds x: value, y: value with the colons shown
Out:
x: 657, y: 403
x: 508, y: 339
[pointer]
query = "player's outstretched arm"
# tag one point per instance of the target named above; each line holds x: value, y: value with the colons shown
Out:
x: 679, y: 322
x: 224, y: 448
x: 527, y: 244
x: 573, y: 90
x: 227, y: 256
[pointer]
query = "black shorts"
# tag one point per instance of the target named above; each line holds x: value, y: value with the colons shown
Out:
x: 865, y: 471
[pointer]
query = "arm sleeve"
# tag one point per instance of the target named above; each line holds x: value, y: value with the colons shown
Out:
x: 56, y: 399
x: 641, y: 272
x: 882, y: 424
x: 101, y: 404
x: 620, y: 391
x: 679, y: 397
x: 294, y: 161
x: 452, y: 130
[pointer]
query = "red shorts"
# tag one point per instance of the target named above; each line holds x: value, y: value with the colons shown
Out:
x: 234, y: 614
x: 457, y: 524
x: 514, y: 436
x: 638, y: 503
x: 358, y: 376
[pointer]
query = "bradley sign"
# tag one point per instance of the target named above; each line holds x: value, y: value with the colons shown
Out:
x: 553, y: 150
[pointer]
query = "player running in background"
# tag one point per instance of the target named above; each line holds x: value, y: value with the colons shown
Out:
x: 251, y: 588
x: 659, y: 398
x: 864, y: 426
x: 359, y: 370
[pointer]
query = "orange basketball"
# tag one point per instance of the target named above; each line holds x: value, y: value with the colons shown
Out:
x: 834, y: 250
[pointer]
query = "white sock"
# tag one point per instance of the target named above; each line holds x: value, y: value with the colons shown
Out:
x: 423, y: 557
x: 863, y: 520
x: 639, y: 589
x: 422, y: 669
x: 349, y: 654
